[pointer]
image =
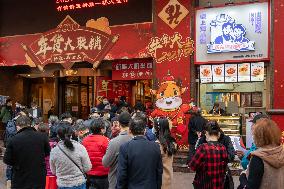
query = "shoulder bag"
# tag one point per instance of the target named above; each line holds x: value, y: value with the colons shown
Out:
x: 73, y: 161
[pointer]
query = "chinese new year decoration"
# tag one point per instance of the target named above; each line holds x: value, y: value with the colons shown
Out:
x: 173, y: 13
x: 169, y: 104
x: 133, y: 69
x: 72, y: 5
x: 70, y: 43
x: 170, y: 48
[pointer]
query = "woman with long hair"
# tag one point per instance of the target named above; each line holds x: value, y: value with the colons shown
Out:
x: 167, y: 147
x: 69, y: 160
x: 210, y: 160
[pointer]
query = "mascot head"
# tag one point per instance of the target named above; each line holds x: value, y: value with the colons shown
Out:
x: 168, y: 95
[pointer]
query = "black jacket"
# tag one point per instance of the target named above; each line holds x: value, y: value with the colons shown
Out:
x: 226, y: 141
x: 139, y: 165
x: 196, y: 123
x: 26, y: 152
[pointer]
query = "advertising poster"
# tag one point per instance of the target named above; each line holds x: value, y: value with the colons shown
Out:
x: 231, y: 74
x: 224, y: 34
x: 244, y: 72
x: 206, y: 74
x: 257, y: 71
x: 218, y: 73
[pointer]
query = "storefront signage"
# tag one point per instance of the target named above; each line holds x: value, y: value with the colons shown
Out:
x: 173, y: 13
x: 70, y: 43
x: 231, y: 73
x: 71, y: 5
x: 170, y: 48
x: 134, y: 69
x: 228, y: 36
x: 225, y: 34
x: 106, y: 87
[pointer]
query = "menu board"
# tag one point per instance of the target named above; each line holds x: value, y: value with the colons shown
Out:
x: 256, y: 99
x: 257, y: 71
x: 231, y: 74
x: 205, y: 74
x: 245, y: 99
x: 244, y: 72
x: 218, y: 73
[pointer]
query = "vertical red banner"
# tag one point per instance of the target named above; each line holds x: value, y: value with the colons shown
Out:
x: 173, y: 30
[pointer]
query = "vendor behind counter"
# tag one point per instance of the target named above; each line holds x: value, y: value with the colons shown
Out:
x: 217, y: 110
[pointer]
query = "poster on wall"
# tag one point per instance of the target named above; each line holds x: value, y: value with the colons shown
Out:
x: 257, y: 71
x: 206, y: 73
x: 256, y: 99
x: 218, y: 73
x: 244, y: 72
x: 223, y: 34
x: 231, y: 74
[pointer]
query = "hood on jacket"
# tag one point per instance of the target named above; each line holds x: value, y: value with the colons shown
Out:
x: 274, y: 156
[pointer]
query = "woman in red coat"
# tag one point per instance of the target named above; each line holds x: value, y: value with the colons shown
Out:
x: 96, y: 145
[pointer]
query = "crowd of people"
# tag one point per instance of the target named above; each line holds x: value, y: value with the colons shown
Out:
x: 121, y: 148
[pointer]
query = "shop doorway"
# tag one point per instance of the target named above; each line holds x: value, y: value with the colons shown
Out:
x: 142, y: 91
x: 78, y: 95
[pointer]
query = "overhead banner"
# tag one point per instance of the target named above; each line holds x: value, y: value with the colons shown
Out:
x: 70, y: 43
x: 132, y: 69
x: 225, y: 35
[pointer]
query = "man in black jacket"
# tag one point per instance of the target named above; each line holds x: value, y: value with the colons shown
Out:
x: 26, y: 152
x: 139, y: 161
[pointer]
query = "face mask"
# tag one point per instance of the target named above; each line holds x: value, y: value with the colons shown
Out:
x: 105, y: 102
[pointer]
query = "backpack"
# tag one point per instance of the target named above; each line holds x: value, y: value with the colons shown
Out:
x: 11, y: 129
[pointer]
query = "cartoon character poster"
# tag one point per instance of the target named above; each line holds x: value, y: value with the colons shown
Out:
x: 169, y: 104
x: 228, y: 36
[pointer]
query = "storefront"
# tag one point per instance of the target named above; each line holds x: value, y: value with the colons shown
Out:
x: 232, y: 59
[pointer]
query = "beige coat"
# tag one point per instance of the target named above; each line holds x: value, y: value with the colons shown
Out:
x: 273, y: 160
x: 167, y: 169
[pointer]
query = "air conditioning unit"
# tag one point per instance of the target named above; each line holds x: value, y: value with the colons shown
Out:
x: 227, y: 86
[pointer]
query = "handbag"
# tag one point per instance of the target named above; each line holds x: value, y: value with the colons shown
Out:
x: 229, y: 182
x: 73, y: 162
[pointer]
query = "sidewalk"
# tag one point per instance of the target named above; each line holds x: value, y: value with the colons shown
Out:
x: 180, y: 181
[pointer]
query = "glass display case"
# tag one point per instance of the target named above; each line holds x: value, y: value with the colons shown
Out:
x: 231, y: 125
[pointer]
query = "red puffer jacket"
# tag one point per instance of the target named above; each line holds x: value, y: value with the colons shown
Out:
x: 96, y: 146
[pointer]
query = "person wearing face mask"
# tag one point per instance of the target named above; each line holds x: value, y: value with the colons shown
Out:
x: 102, y: 105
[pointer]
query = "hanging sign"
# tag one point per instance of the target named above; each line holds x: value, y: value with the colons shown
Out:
x: 70, y: 43
x: 224, y: 34
x: 134, y: 69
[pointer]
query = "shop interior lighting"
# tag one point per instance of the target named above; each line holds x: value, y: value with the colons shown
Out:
x: 230, y: 2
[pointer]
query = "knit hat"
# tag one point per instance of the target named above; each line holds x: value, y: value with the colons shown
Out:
x: 124, y: 118
x: 114, y: 119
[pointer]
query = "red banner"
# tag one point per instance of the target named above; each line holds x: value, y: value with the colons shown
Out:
x: 70, y: 43
x: 134, y: 69
x: 105, y: 87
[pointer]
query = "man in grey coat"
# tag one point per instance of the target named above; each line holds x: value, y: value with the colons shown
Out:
x: 110, y: 159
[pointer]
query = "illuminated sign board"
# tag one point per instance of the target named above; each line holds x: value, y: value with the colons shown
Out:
x: 224, y: 34
x: 71, y: 5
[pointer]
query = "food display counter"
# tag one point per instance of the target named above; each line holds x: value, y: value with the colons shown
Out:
x: 231, y: 125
